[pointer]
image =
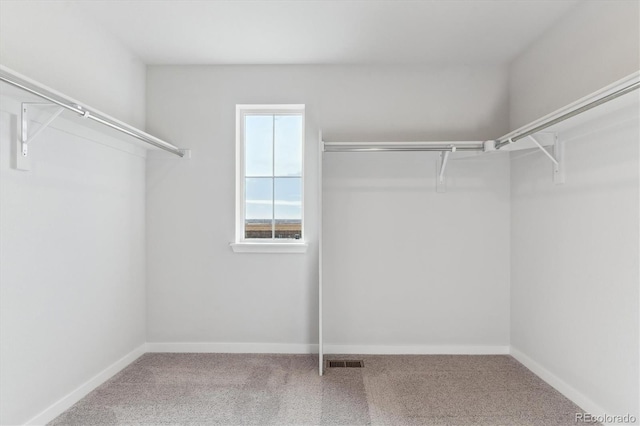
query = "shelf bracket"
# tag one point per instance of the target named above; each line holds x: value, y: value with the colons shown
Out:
x: 551, y: 157
x: 557, y: 158
x: 558, y: 169
x: 441, y: 167
x: 25, y: 138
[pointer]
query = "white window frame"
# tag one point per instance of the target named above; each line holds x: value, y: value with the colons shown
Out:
x: 259, y: 245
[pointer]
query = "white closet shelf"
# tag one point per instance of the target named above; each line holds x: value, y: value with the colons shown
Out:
x: 33, y: 93
x: 413, y: 146
x: 616, y: 97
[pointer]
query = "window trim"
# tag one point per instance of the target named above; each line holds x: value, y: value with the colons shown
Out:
x: 256, y: 245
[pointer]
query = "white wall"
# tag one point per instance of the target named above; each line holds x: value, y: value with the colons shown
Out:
x: 72, y: 290
x: 49, y: 41
x: 409, y: 267
x: 200, y: 291
x: 594, y: 45
x: 575, y: 264
x: 72, y: 275
x: 575, y: 247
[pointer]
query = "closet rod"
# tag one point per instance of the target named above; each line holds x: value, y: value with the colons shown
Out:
x: 517, y: 135
x: 401, y: 146
x: 20, y: 82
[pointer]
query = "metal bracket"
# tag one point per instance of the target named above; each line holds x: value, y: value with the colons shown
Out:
x: 557, y: 158
x: 441, y: 166
x: 25, y: 138
x: 558, y: 169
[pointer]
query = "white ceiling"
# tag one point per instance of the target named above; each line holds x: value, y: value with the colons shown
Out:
x: 326, y: 31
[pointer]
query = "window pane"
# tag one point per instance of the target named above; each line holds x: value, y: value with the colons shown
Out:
x: 258, y: 220
x: 258, y: 145
x: 288, y: 208
x: 288, y: 145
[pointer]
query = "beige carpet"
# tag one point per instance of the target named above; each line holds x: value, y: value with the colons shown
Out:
x: 255, y: 389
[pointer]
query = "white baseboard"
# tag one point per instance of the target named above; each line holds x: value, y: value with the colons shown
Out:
x: 233, y: 348
x: 287, y: 348
x: 560, y: 385
x: 415, y: 349
x: 83, y: 390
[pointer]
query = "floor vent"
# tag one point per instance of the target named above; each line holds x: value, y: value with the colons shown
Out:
x: 345, y: 364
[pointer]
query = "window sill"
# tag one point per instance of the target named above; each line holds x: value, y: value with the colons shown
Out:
x: 246, y: 247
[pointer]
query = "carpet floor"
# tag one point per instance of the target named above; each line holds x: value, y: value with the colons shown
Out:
x: 259, y: 389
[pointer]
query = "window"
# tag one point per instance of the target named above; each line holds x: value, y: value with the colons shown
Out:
x: 269, y: 178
